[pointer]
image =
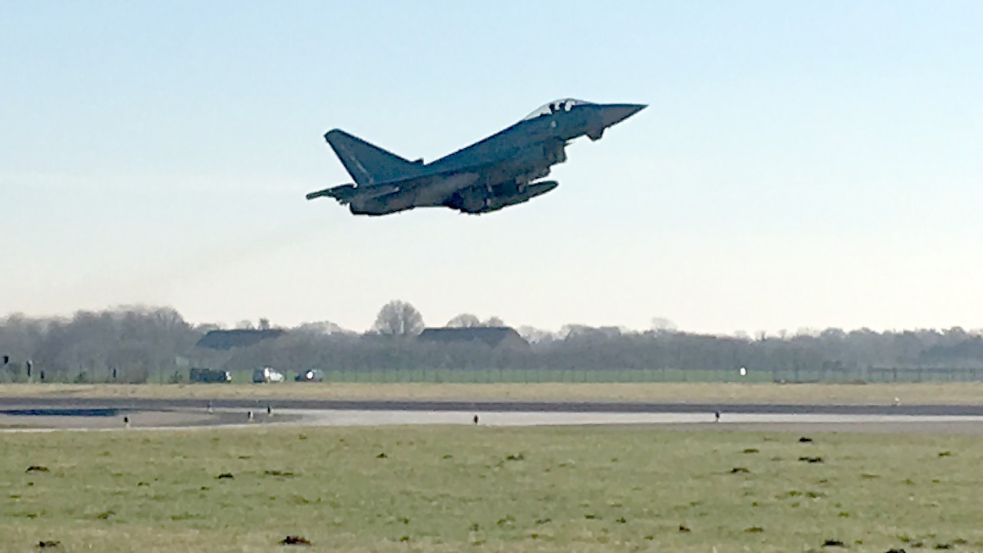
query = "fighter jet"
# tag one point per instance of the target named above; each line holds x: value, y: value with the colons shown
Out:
x: 496, y: 172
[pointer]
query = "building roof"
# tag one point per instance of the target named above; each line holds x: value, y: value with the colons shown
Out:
x: 236, y: 338
x: 493, y: 336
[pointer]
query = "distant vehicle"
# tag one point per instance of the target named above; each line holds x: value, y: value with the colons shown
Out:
x: 205, y: 375
x: 310, y: 375
x: 497, y: 172
x: 267, y: 374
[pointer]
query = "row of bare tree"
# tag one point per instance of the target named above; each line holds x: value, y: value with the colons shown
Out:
x: 136, y: 344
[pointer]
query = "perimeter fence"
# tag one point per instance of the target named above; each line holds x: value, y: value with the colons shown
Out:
x: 507, y: 375
x: 527, y: 375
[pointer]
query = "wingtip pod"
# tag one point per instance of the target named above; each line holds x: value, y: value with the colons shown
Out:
x: 342, y: 193
x: 318, y: 194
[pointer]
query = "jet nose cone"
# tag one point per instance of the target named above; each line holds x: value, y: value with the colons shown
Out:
x: 616, y: 113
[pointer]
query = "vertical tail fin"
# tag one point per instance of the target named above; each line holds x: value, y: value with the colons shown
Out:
x: 369, y: 164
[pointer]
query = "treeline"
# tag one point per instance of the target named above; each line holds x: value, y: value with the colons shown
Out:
x: 130, y: 343
x: 157, y: 344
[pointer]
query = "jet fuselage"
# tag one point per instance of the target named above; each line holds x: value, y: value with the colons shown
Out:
x: 488, y: 175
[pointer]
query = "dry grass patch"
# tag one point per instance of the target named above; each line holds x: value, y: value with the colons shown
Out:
x: 674, y: 392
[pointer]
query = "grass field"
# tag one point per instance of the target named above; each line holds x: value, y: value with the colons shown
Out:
x: 488, y: 489
x: 964, y: 393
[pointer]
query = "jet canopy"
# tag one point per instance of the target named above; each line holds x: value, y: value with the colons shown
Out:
x: 566, y: 104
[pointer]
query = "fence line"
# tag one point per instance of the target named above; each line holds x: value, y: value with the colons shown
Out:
x: 613, y: 375
x: 502, y: 375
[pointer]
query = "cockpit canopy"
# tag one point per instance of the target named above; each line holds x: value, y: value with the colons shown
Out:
x: 565, y: 104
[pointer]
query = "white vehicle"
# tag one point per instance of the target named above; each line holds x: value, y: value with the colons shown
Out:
x: 267, y: 374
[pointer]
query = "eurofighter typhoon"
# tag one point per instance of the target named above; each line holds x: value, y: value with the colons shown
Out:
x: 496, y: 172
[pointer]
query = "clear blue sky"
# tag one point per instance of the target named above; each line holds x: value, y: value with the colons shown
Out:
x: 803, y: 164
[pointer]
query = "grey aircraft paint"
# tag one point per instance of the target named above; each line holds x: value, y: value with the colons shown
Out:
x: 493, y: 173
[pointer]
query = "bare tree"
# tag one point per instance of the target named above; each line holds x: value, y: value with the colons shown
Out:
x: 573, y: 330
x: 493, y: 321
x: 398, y: 318
x: 535, y: 335
x: 321, y: 327
x: 663, y: 324
x: 464, y: 320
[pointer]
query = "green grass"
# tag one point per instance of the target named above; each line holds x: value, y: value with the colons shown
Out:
x: 488, y: 489
x: 965, y: 393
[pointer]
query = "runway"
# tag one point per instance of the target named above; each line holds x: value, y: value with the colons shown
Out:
x: 152, y: 404
x: 678, y: 421
x: 28, y: 414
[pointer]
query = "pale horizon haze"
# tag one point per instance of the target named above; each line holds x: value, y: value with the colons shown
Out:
x: 800, y: 164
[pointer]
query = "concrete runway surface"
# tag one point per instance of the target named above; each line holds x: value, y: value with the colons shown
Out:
x: 150, y: 404
x: 27, y: 414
